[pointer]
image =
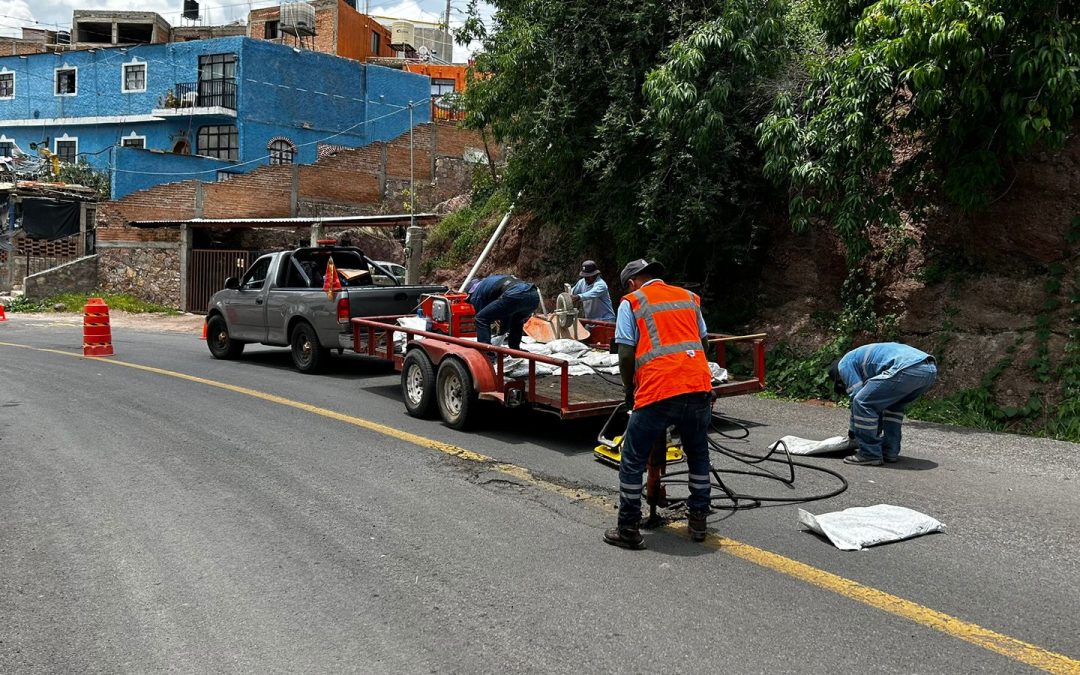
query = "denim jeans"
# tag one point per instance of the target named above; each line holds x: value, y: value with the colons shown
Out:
x: 512, y: 309
x: 691, y: 415
x: 877, y: 410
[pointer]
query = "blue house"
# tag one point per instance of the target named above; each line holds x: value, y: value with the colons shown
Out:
x: 203, y: 109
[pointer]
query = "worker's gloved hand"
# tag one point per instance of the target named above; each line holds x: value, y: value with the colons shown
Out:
x: 629, y: 400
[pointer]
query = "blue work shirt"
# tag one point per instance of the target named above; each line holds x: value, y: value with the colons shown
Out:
x: 877, y: 360
x: 626, y: 330
x: 487, y: 291
x: 595, y: 299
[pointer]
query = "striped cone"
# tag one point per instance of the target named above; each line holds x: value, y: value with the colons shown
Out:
x: 3, y: 316
x: 97, y: 336
x: 203, y: 331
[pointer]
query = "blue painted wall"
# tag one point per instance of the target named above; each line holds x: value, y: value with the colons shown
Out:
x: 134, y: 169
x: 305, y: 97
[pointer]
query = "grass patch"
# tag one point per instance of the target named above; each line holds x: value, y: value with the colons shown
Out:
x: 458, y: 237
x: 74, y: 302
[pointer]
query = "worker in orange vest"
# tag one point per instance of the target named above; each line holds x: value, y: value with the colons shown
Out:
x: 662, y: 338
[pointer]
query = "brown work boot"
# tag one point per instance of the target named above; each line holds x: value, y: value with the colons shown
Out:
x: 697, y: 525
x: 625, y: 537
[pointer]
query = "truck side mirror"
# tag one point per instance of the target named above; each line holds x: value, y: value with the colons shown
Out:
x: 232, y: 283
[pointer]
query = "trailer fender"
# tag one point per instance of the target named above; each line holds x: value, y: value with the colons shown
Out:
x: 482, y: 372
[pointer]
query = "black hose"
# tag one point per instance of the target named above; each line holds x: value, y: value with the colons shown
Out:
x: 729, y: 500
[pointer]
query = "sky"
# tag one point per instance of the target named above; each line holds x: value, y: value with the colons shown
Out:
x: 53, y: 14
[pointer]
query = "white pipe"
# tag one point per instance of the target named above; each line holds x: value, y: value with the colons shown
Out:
x: 490, y: 245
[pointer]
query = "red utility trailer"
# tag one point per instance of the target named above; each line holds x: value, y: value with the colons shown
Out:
x: 450, y: 374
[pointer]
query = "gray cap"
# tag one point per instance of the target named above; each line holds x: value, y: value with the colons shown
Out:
x: 640, y: 266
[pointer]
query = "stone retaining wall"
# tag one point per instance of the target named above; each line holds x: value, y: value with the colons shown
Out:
x: 77, y: 276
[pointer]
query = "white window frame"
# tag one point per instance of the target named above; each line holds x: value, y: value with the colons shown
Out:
x: 123, y: 76
x: 5, y: 71
x: 56, y: 75
x: 5, y: 139
x: 133, y: 137
x: 66, y: 138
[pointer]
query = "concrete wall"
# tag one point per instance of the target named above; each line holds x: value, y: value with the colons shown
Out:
x: 77, y: 276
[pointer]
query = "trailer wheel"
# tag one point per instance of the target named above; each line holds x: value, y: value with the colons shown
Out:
x: 307, y: 354
x: 221, y: 344
x: 456, y: 395
x: 418, y: 384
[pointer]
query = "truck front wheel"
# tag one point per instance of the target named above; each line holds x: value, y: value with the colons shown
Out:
x: 456, y: 394
x: 418, y: 384
x: 221, y: 344
x: 307, y: 354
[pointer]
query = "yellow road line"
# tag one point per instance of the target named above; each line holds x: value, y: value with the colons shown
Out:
x: 1018, y: 650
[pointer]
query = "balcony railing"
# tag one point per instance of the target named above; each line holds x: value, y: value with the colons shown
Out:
x: 205, y: 94
x: 447, y: 108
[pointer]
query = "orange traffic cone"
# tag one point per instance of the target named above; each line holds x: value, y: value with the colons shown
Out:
x: 3, y: 317
x: 203, y: 331
x: 97, y: 336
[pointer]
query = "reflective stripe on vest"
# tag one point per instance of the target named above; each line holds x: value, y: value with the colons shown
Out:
x: 669, y: 357
x: 644, y: 311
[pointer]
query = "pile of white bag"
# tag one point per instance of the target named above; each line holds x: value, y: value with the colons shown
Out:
x: 581, y: 359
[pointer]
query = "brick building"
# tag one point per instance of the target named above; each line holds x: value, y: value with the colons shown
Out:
x: 339, y: 30
x: 155, y: 260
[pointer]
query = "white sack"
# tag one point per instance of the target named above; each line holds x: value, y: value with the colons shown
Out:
x: 805, y: 446
x: 719, y: 375
x: 567, y: 346
x: 601, y: 359
x: 861, y: 526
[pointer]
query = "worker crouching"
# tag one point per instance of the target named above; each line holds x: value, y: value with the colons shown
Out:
x: 506, y: 299
x: 661, y: 337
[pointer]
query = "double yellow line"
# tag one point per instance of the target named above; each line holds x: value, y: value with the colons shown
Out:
x: 1018, y: 650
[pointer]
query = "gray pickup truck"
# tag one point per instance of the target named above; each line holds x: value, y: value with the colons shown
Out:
x: 280, y: 301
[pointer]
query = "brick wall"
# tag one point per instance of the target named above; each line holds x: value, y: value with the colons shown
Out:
x: 15, y: 46
x: 264, y: 193
x: 360, y: 180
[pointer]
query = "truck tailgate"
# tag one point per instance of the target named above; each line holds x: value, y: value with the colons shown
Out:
x: 387, y: 300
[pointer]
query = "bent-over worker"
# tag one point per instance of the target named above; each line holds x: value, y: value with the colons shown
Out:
x: 592, y: 292
x: 883, y: 379
x: 506, y: 299
x: 661, y: 336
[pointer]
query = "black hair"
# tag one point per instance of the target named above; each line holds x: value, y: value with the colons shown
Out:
x: 838, y: 382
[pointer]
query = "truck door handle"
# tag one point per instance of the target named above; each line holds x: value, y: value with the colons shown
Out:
x: 399, y: 296
x: 258, y: 301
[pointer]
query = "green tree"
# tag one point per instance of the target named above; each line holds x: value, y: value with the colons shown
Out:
x: 633, y: 121
x: 926, y: 96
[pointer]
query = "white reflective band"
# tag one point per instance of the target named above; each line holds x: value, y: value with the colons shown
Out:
x: 698, y: 477
x: 869, y: 427
x: 894, y: 417
x: 657, y: 352
x: 864, y: 419
x: 631, y: 488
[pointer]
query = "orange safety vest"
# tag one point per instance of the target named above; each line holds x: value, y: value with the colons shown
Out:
x: 669, y: 360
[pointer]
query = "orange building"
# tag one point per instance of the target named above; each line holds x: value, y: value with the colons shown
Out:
x: 339, y: 30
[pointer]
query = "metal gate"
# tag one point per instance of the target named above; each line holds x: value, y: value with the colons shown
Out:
x: 208, y: 270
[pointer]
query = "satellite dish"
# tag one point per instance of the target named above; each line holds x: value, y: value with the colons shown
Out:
x: 424, y: 53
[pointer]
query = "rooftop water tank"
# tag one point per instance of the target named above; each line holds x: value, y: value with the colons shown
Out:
x: 297, y: 18
x: 402, y: 36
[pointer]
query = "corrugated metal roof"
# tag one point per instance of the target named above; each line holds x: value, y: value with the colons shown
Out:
x: 366, y: 221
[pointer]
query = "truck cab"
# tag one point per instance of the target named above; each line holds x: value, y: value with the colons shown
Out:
x: 280, y: 300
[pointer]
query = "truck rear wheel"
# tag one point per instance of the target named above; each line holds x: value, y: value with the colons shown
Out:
x: 418, y: 384
x: 221, y: 344
x: 307, y: 354
x: 456, y: 394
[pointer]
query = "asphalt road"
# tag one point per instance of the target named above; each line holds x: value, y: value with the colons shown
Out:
x: 150, y: 522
